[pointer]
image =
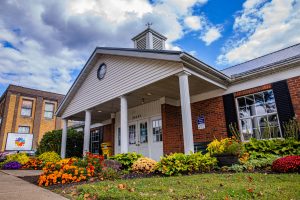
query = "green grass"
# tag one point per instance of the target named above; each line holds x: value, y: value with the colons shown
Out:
x: 202, y: 186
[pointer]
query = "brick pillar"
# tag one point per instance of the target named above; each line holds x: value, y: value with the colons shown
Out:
x: 172, y: 129
x: 37, y: 121
x: 294, y: 88
x: 14, y: 125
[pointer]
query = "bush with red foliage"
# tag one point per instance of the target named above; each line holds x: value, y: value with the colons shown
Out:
x: 287, y: 164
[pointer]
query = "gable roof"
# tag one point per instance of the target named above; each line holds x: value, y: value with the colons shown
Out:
x: 227, y: 76
x: 168, y: 55
x: 263, y: 62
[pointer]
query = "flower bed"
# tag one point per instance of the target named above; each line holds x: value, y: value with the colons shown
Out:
x: 71, y: 170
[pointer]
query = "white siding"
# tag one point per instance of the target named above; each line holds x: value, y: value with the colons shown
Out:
x: 124, y: 74
x: 143, y: 111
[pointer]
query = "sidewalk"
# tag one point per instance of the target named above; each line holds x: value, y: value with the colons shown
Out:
x: 12, y: 187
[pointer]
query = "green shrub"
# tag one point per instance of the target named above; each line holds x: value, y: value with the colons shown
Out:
x: 179, y: 163
x: 49, y: 156
x: 279, y: 147
x: 51, y: 141
x: 256, y: 161
x: 126, y: 159
x: 22, y: 158
x: 229, y: 146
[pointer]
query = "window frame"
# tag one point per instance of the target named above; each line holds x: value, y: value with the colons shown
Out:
x: 256, y: 115
x: 46, y: 111
x: 22, y: 107
x: 24, y: 126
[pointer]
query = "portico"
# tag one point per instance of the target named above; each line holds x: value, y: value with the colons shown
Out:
x: 142, y: 107
x: 132, y: 85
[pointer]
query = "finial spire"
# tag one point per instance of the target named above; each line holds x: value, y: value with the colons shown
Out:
x: 149, y: 24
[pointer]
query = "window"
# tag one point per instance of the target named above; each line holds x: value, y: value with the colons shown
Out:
x: 157, y: 130
x: 24, y: 129
x: 258, y: 116
x: 26, y: 109
x: 132, y: 135
x: 49, y: 110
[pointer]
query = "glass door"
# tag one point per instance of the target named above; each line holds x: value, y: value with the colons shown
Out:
x: 133, y: 139
x: 142, y: 141
x: 96, y: 140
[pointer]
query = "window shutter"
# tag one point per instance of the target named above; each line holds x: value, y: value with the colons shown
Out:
x: 283, y: 101
x: 230, y: 111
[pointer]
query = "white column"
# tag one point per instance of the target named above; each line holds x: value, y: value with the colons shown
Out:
x: 186, y: 112
x: 64, y: 138
x: 124, y: 125
x: 87, y: 130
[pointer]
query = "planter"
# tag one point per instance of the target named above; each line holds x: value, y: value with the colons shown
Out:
x: 227, y: 160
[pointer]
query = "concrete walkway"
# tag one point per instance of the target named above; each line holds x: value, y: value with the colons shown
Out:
x: 12, y: 187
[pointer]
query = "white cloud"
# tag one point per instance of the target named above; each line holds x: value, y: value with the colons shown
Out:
x: 193, y: 22
x: 211, y: 35
x: 264, y: 27
x: 52, y: 39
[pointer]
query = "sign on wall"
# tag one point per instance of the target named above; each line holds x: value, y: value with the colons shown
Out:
x: 201, y: 122
x: 19, y: 142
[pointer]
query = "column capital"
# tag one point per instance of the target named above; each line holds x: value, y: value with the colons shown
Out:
x: 183, y: 73
x: 123, y: 96
x: 112, y: 115
x: 88, y: 110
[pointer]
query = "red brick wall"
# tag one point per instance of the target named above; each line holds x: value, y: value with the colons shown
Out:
x: 215, y: 125
x: 253, y: 90
x: 172, y: 129
x: 212, y: 109
x: 294, y: 87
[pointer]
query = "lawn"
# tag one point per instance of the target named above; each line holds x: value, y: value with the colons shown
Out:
x: 201, y: 186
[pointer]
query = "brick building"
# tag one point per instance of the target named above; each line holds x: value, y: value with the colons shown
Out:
x: 28, y: 111
x: 154, y: 101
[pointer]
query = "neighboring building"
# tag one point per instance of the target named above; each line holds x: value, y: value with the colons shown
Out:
x: 28, y: 111
x: 155, y: 101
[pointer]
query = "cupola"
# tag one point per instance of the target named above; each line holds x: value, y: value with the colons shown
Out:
x: 149, y: 39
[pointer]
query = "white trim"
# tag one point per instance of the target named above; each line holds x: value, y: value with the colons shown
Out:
x: 204, y: 78
x: 271, y: 78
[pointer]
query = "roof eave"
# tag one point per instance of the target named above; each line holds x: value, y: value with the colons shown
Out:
x: 271, y: 68
x: 203, y: 66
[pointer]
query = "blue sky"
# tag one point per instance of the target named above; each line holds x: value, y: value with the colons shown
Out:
x: 44, y: 44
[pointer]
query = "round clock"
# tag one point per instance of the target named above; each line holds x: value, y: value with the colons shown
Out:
x: 101, y: 71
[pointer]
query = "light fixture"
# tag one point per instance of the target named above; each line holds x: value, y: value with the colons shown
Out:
x: 99, y: 111
x: 149, y: 94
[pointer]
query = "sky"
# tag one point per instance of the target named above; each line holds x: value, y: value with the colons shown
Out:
x: 45, y: 44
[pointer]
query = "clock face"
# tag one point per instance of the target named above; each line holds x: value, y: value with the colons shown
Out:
x: 101, y: 71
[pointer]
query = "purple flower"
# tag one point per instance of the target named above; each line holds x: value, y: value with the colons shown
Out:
x: 12, y: 165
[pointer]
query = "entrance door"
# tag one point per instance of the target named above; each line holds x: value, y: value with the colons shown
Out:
x: 133, y: 141
x: 156, y: 138
x: 142, y: 140
x: 138, y: 137
x: 96, y: 139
